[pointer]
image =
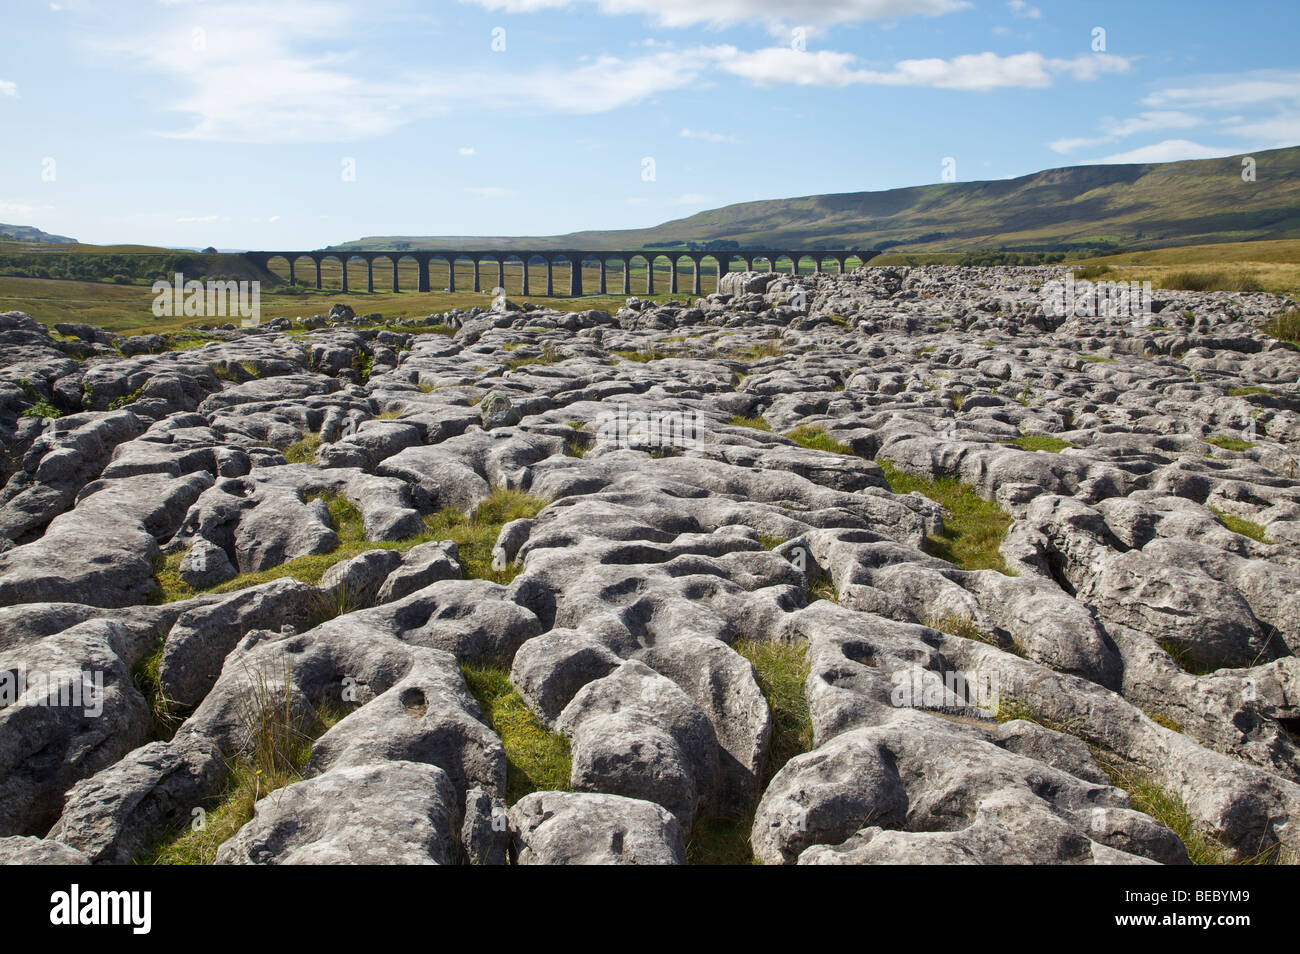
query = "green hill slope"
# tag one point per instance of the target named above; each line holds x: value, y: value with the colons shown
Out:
x: 1101, y: 207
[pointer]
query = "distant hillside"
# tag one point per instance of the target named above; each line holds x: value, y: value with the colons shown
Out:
x: 1151, y: 205
x: 29, y: 233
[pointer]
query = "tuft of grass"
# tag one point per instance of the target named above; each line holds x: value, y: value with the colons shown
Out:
x: 816, y: 438
x: 536, y: 759
x: 781, y: 670
x: 823, y: 589
x: 963, y: 626
x: 642, y: 357
x: 1169, y: 722
x: 769, y: 348
x: 1091, y: 272
x: 721, y: 841
x: 1185, y: 659
x: 1230, y: 443
x: 1149, y: 797
x: 1244, y: 527
x: 546, y: 355
x: 1284, y: 326
x: 1247, y: 391
x: 971, y: 538
x: 1211, y: 280
x: 303, y: 450
x: 1096, y: 359
x: 279, y: 728
x: 757, y: 423
x: 145, y: 675
x: 1041, y: 442
x: 475, y: 534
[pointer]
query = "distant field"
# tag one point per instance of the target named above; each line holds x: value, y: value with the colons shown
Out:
x: 1274, y: 265
x: 127, y: 309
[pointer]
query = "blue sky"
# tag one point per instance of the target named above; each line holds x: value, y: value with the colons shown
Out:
x: 235, y: 123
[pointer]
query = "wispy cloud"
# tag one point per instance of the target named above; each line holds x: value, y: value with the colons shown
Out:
x: 467, y: 151
x: 1112, y: 130
x: 1260, y: 108
x: 1021, y: 9
x: 685, y: 13
x: 1233, y: 91
x: 706, y: 135
x: 8, y: 88
x: 186, y: 219
x: 20, y: 208
x: 1171, y: 150
x: 978, y: 72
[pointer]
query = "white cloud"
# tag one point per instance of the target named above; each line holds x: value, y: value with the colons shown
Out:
x: 1171, y: 150
x: 972, y: 71
x: 196, y: 218
x: 8, y: 88
x: 276, y: 73
x: 467, y: 151
x: 1269, y: 131
x: 1019, y: 8
x: 254, y: 83
x: 18, y: 208
x: 604, y: 83
x: 1259, y: 107
x: 1254, y: 88
x: 1114, y: 129
x: 706, y: 135
x: 1070, y: 145
x: 274, y: 218
x: 683, y: 13
x: 259, y: 73
x: 1145, y: 122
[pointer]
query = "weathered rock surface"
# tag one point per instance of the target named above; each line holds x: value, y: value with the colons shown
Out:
x: 1144, y: 636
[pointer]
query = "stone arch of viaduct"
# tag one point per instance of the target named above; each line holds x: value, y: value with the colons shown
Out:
x: 615, y: 267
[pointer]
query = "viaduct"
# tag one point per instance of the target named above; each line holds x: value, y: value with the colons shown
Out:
x: 573, y: 260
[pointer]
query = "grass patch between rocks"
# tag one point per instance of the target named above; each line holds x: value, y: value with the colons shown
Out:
x: 281, y: 734
x: 475, y: 535
x: 781, y: 670
x: 1041, y: 442
x: 1238, y: 525
x: 1284, y: 326
x: 970, y: 539
x: 757, y: 423
x: 303, y: 450
x: 816, y: 438
x: 1230, y: 443
x: 537, y: 760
